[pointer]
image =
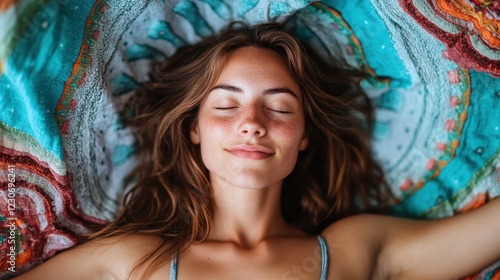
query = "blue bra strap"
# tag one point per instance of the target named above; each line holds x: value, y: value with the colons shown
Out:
x: 324, y: 258
x: 173, y: 268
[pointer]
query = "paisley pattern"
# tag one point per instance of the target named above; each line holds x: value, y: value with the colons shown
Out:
x: 69, y: 70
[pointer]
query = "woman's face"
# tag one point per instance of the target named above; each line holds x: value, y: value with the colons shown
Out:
x: 251, y: 124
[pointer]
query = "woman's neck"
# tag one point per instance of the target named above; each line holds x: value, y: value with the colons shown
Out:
x: 247, y: 216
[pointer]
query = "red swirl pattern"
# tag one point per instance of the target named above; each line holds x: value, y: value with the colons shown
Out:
x: 45, y: 212
x: 477, y: 44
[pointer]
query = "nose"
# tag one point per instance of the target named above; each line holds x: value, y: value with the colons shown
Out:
x: 252, y: 123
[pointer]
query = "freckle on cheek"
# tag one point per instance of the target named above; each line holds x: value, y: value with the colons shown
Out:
x: 215, y: 125
x: 283, y: 127
x: 217, y: 121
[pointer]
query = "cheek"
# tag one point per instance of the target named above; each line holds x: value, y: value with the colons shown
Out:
x: 290, y: 131
x: 285, y: 128
x: 211, y: 126
x: 213, y: 132
x: 291, y: 135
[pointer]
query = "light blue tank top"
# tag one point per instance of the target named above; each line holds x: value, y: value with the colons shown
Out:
x: 324, y: 261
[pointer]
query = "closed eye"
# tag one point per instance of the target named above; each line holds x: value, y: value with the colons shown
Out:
x: 280, y: 112
x: 224, y: 108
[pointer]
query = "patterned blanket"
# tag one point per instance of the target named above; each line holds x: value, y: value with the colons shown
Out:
x: 69, y: 68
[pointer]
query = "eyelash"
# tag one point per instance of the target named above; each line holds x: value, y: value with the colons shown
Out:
x: 224, y: 108
x: 229, y: 108
x: 281, y: 112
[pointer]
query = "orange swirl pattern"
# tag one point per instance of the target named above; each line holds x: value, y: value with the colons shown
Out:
x: 7, y: 4
x: 481, y: 16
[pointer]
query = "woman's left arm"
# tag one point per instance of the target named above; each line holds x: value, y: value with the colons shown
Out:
x: 450, y: 248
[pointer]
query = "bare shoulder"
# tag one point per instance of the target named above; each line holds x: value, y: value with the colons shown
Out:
x: 105, y: 258
x: 383, y: 247
x: 356, y: 247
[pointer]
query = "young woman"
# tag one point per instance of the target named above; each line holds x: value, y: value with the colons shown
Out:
x: 250, y: 152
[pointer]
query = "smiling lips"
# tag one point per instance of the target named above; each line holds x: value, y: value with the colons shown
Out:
x: 250, y: 151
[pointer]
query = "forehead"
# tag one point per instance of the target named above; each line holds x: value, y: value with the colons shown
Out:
x: 257, y: 67
x: 255, y: 57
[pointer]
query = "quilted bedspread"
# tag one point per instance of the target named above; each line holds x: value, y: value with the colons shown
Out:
x: 68, y: 70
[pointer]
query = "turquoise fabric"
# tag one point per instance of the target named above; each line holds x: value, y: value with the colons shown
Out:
x: 36, y: 70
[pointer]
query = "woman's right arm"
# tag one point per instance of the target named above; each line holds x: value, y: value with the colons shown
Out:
x: 86, y: 261
x: 110, y: 258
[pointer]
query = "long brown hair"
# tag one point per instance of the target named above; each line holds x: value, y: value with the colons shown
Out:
x: 335, y: 176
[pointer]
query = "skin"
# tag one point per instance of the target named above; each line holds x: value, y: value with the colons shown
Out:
x: 249, y: 237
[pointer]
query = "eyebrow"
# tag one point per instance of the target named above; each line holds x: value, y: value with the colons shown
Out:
x: 266, y: 92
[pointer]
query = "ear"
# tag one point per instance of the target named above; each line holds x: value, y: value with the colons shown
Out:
x: 303, y: 142
x: 194, y: 132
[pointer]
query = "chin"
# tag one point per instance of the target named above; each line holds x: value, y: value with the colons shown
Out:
x: 251, y: 180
